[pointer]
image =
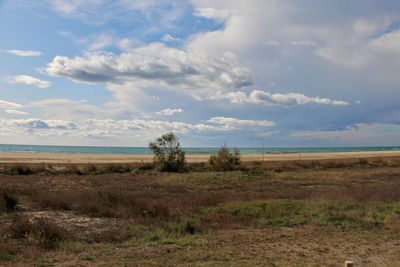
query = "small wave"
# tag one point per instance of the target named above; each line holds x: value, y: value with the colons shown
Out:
x: 26, y: 151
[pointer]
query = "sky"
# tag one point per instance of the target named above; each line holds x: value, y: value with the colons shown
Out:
x: 123, y: 72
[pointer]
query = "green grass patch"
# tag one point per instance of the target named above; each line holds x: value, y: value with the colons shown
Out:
x: 282, y: 212
x: 223, y: 178
x: 89, y: 257
x: 73, y: 247
x: 183, y: 233
x: 43, y: 262
x: 7, y: 256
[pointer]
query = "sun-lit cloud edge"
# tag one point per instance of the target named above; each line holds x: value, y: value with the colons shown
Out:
x: 29, y: 80
x: 22, y: 53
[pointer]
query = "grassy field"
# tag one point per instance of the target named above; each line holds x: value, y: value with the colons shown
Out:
x: 297, y: 213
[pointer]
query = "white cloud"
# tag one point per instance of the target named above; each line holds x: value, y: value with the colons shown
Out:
x: 262, y: 97
x: 234, y: 97
x: 129, y: 12
x: 101, y: 41
x: 266, y: 98
x: 9, y: 105
x: 272, y: 43
x: 265, y: 134
x: 28, y: 80
x: 59, y: 108
x: 169, y: 112
x: 155, y: 64
x: 212, y: 13
x: 367, y: 44
x: 304, y: 43
x: 23, y: 53
x: 64, y: 5
x: 137, y: 129
x: 370, y: 26
x: 369, y: 47
x: 234, y: 123
x: 68, y: 7
x: 127, y: 44
x: 16, y: 112
x: 169, y: 38
x: 207, y: 65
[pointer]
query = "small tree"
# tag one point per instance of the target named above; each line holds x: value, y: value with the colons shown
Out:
x: 224, y: 160
x: 168, y: 155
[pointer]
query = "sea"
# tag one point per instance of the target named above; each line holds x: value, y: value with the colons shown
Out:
x: 188, y: 150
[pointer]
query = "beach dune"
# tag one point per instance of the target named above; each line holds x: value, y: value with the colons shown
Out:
x: 15, y: 157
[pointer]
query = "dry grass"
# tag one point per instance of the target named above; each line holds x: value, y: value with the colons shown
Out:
x: 283, y: 213
x: 43, y: 232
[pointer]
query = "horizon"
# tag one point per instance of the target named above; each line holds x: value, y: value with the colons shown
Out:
x: 121, y: 73
x: 209, y: 147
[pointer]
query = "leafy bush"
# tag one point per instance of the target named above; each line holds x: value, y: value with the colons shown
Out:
x: 168, y: 155
x: 224, y: 160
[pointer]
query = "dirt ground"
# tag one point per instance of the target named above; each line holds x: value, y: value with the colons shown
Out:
x: 314, y: 213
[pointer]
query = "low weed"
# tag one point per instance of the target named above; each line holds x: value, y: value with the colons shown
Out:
x: 109, y: 236
x: 73, y: 247
x: 8, y: 253
x: 89, y: 257
x: 117, y: 168
x: 282, y: 212
x: 43, y: 262
x: 55, y: 200
x: 182, y: 230
x: 18, y: 169
x: 42, y: 232
x: 159, y: 236
x: 105, y: 203
x: 7, y: 256
x: 73, y: 169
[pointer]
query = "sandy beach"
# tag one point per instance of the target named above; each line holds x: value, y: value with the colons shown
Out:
x: 11, y: 157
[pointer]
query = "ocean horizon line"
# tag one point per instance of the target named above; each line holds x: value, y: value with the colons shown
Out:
x: 63, y: 149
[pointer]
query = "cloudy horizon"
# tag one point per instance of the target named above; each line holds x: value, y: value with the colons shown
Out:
x: 121, y: 73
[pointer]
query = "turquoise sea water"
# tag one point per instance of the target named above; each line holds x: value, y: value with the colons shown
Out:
x: 188, y: 150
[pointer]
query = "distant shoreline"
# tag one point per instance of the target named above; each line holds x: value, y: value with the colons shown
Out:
x: 51, y: 149
x: 31, y: 158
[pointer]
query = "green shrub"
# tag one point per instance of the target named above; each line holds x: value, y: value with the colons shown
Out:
x: 224, y: 160
x: 168, y: 155
x: 89, y: 257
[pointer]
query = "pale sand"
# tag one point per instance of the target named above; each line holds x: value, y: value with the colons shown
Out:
x: 8, y: 157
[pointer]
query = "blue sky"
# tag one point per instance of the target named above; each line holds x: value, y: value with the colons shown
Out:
x: 123, y: 72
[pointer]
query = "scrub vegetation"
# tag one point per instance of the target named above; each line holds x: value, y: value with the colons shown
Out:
x: 168, y: 155
x: 297, y: 213
x: 224, y: 160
